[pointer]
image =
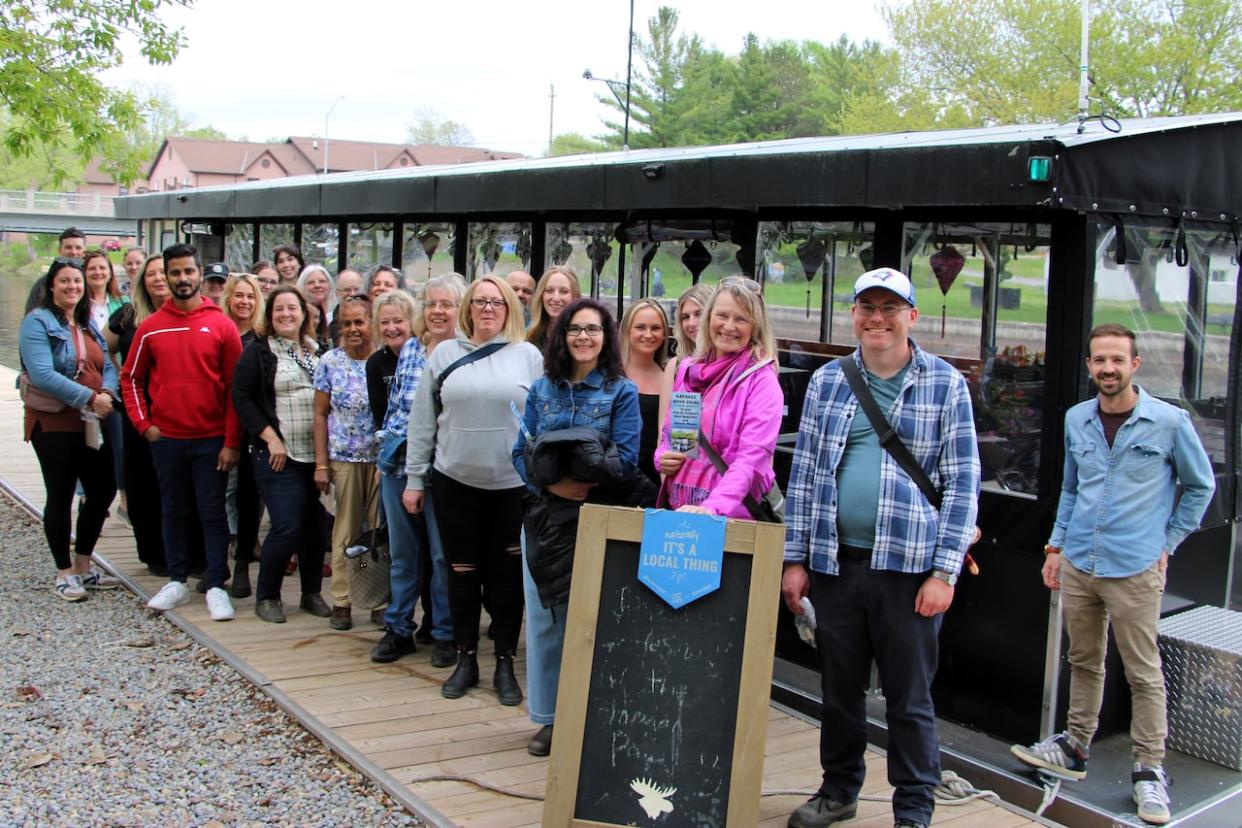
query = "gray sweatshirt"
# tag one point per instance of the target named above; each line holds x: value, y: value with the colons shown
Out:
x: 474, y: 435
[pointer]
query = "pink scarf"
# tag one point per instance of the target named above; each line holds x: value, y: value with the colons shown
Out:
x: 703, y: 375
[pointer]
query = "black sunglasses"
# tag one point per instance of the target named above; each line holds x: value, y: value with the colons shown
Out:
x: 68, y: 260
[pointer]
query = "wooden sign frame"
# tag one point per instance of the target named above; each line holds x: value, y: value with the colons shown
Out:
x: 598, y: 525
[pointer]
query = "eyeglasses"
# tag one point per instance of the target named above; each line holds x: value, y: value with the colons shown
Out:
x: 68, y: 260
x: 889, y: 311
x: 484, y: 304
x: 266, y: 281
x: 449, y: 304
x: 742, y: 282
x: 573, y: 331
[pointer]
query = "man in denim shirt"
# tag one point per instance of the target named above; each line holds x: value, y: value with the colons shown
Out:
x: 1118, y: 521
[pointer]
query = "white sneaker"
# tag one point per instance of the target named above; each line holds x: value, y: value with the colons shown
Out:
x: 219, y: 605
x: 173, y: 595
x: 69, y: 587
x: 1151, y: 794
x: 96, y: 578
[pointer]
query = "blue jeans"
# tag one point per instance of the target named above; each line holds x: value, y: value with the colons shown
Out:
x: 405, y: 577
x: 185, y: 466
x: 293, y: 508
x: 864, y: 614
x: 441, y: 617
x: 545, y: 637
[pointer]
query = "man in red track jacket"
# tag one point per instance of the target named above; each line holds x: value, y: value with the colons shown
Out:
x: 176, y: 385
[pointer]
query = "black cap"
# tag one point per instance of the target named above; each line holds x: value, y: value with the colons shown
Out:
x: 216, y: 270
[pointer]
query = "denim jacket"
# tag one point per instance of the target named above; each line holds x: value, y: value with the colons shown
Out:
x: 1119, y: 506
x: 609, y: 407
x: 52, y: 369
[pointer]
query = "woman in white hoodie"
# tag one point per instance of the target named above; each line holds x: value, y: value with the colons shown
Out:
x: 480, y: 379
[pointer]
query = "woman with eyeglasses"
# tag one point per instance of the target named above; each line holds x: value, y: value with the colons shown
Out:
x: 733, y: 370
x: 558, y: 286
x: 436, y: 323
x: 345, y: 443
x: 463, y: 412
x: 644, y: 334
x: 582, y: 386
x: 319, y: 289
x: 266, y: 275
x: 289, y: 263
x: 72, y: 384
x: 147, y: 293
x: 243, y: 302
x: 274, y: 395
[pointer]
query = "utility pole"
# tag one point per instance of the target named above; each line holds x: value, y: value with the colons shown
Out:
x: 551, y: 110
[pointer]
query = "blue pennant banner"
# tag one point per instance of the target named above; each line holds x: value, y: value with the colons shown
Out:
x: 681, y: 555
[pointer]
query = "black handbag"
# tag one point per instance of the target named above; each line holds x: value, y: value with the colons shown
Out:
x: 769, y: 510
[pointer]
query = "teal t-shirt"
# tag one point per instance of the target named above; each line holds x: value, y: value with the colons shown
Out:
x: 858, y: 475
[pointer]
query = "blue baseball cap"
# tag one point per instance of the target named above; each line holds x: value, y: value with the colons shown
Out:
x: 885, y: 278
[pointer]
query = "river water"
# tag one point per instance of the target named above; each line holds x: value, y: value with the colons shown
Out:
x: 14, y: 287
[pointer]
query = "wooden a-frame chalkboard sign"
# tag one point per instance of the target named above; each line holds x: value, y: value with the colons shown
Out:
x: 662, y: 713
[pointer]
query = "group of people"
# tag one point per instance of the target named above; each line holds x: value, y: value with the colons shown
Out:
x: 476, y: 419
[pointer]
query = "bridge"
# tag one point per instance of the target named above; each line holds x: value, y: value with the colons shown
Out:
x: 32, y: 211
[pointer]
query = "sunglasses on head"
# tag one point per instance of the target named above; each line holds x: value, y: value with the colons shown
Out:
x: 71, y: 261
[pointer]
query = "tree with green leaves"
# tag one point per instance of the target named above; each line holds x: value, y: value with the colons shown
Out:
x: 51, y: 55
x: 431, y: 128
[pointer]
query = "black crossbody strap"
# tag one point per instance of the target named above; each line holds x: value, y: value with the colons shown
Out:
x: 748, y: 501
x: 889, y: 440
x: 473, y: 356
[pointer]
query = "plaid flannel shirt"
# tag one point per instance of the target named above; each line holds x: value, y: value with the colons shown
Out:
x: 410, y: 365
x: 933, y: 417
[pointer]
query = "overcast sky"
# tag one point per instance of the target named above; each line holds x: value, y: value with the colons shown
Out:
x: 273, y: 69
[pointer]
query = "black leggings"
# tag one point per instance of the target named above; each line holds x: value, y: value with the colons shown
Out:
x: 65, y: 459
x: 480, y: 530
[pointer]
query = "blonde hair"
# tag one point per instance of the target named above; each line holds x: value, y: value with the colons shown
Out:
x: 539, y: 322
x: 661, y: 356
x: 231, y: 285
x: 762, y: 342
x: 698, y: 294
x: 454, y: 283
x: 139, y: 299
x: 515, y: 328
x: 401, y: 301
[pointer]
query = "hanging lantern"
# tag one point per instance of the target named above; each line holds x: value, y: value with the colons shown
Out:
x: 696, y: 259
x: 812, y: 254
x: 946, y: 263
x: 599, y: 251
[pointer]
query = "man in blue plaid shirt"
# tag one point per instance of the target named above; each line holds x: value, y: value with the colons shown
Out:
x: 882, y: 560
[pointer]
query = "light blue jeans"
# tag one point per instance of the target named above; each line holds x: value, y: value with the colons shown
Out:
x: 405, y: 578
x: 545, y: 637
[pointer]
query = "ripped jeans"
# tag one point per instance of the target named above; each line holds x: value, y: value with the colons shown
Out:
x: 480, y: 531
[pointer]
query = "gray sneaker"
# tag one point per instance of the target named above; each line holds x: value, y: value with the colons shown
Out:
x: 1151, y: 793
x: 69, y: 587
x: 1056, y: 755
x: 96, y: 578
x: 820, y: 811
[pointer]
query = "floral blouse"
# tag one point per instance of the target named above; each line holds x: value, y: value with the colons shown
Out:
x: 351, y: 429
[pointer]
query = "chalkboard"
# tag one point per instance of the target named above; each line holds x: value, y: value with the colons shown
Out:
x: 653, y: 698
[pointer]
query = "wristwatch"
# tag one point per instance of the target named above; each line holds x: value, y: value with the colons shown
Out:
x: 949, y: 578
x: 1049, y: 549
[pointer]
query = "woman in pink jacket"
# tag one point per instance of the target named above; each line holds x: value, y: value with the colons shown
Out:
x: 734, y: 371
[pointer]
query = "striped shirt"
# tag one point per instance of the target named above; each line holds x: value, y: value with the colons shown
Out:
x: 933, y: 417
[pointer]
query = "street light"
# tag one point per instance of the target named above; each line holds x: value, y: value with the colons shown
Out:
x: 617, y: 86
x: 325, y: 132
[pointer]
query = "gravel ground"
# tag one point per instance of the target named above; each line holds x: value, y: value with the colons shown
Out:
x: 111, y: 716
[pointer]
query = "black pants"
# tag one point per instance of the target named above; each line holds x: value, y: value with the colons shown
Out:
x: 864, y: 614
x: 187, y: 473
x: 249, y: 508
x: 293, y: 506
x: 143, y: 495
x: 65, y: 459
x: 480, y: 530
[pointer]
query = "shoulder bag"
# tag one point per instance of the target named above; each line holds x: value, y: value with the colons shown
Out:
x: 769, y: 510
x: 38, y: 400
x: 369, y: 562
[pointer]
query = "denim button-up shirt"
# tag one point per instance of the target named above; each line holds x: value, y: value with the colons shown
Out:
x: 49, y: 356
x: 609, y: 407
x: 1119, y: 507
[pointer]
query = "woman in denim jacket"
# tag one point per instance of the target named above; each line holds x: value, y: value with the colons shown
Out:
x: 583, y: 385
x: 86, y: 384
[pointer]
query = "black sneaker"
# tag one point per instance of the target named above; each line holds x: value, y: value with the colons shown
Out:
x: 391, y: 647
x: 820, y: 811
x: 909, y: 823
x: 443, y: 654
x: 1056, y: 755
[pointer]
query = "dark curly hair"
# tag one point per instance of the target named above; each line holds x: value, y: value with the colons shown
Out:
x: 82, y: 310
x: 559, y: 365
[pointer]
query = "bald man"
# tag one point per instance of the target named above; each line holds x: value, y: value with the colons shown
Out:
x: 523, y: 285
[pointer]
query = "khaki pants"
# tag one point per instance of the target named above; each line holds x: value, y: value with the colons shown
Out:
x: 355, y: 486
x: 1132, y: 606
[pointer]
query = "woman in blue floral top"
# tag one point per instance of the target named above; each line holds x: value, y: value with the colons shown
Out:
x: 345, y: 442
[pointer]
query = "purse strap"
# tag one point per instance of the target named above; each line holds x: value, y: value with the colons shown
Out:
x: 889, y: 440
x: 721, y: 466
x: 80, y: 346
x: 461, y: 362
